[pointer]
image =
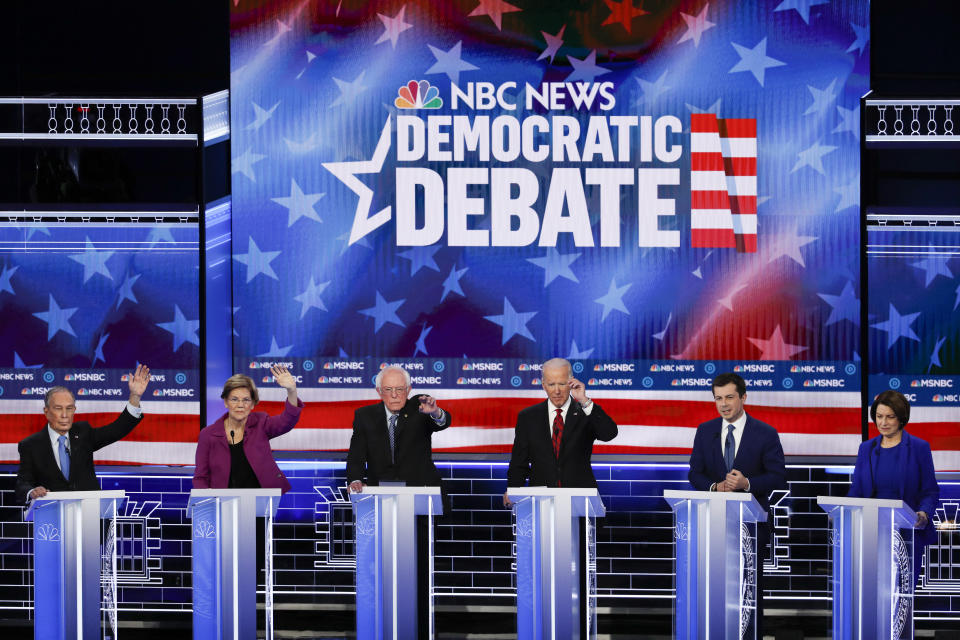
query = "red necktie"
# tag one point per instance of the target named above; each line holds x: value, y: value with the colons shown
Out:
x: 557, y: 433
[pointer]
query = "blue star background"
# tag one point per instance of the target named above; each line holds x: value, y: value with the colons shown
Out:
x: 303, y: 95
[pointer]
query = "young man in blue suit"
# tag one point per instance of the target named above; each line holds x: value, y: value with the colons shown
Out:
x: 736, y: 452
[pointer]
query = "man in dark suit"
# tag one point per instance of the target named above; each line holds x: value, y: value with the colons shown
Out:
x: 553, y: 440
x: 59, y: 457
x: 392, y: 442
x: 736, y: 452
x: 392, y: 439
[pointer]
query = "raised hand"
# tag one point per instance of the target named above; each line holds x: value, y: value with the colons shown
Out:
x: 578, y: 391
x: 428, y: 405
x: 139, y: 380
x: 283, y: 377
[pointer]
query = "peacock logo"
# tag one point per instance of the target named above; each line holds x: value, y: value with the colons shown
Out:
x: 418, y: 95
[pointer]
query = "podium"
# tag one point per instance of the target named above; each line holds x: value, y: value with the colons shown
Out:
x: 386, y: 550
x: 549, y: 601
x: 69, y: 564
x: 717, y: 563
x: 872, y: 567
x: 224, y: 561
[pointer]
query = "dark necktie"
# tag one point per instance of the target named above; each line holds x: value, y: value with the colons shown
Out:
x: 557, y: 433
x: 64, y: 457
x: 393, y: 437
x: 730, y: 450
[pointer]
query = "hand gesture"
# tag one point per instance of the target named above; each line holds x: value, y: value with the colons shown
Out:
x: 578, y: 391
x: 506, y: 500
x: 283, y: 377
x: 736, y: 481
x: 138, y: 383
x: 921, y: 520
x: 428, y: 405
x: 356, y: 486
x: 37, y: 492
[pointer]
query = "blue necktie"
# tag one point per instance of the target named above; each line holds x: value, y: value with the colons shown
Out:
x: 730, y: 450
x: 393, y: 433
x: 64, y: 457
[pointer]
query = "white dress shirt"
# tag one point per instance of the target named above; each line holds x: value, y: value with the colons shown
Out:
x: 552, y: 413
x: 738, y: 426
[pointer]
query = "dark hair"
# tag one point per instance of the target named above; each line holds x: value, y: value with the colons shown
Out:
x: 897, y: 402
x: 724, y: 379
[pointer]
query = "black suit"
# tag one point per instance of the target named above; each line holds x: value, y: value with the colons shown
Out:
x: 369, y: 460
x: 369, y: 455
x: 38, y: 466
x: 533, y: 456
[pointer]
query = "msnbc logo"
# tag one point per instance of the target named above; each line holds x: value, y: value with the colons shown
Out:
x: 328, y: 365
x: 524, y: 367
x: 675, y: 383
x: 738, y: 368
x: 794, y: 369
x: 266, y: 379
x: 592, y: 381
x: 322, y: 379
x: 654, y: 367
x: 535, y: 381
x: 82, y: 392
x: 418, y: 95
x: 252, y: 365
x: 937, y: 397
x: 914, y: 383
x: 461, y: 380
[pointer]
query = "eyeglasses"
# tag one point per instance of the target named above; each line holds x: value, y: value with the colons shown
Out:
x: 238, y: 401
x: 390, y: 391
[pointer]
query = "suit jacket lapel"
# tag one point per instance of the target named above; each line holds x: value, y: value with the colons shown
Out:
x: 744, y: 440
x: 51, y: 457
x: 545, y: 437
x: 717, y: 455
x: 574, y: 416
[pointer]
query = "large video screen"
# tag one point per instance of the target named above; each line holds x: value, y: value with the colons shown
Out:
x: 657, y: 191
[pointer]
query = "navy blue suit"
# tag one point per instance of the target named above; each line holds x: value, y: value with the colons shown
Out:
x: 759, y: 458
x: 918, y: 483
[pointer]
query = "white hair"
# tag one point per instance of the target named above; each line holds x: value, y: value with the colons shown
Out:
x: 379, y: 378
x: 557, y: 363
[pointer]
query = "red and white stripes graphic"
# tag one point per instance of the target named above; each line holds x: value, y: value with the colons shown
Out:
x: 723, y: 182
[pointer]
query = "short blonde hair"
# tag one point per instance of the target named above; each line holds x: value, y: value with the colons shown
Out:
x: 240, y: 381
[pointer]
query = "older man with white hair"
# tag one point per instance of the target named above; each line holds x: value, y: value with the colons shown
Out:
x: 392, y: 439
x: 553, y: 441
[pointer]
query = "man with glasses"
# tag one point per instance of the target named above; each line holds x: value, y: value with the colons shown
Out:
x: 391, y: 439
x: 59, y: 457
x: 392, y: 442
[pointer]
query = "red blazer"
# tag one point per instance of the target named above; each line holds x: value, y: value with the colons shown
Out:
x: 213, y: 450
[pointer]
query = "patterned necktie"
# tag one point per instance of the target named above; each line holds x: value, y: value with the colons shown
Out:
x: 730, y: 450
x: 557, y: 433
x: 393, y: 437
x: 64, y: 457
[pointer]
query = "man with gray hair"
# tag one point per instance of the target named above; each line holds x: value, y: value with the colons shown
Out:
x: 553, y: 440
x: 59, y: 457
x: 392, y: 439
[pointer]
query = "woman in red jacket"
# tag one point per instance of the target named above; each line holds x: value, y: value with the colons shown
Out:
x: 234, y: 451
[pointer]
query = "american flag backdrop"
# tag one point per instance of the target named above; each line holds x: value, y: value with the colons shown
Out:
x: 728, y: 244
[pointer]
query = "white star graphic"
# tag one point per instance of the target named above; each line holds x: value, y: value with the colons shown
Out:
x: 849, y: 195
x: 94, y: 262
x: 349, y: 90
x: 98, y: 352
x: 261, y: 115
x: 755, y: 60
x: 577, y: 354
x: 5, y: 284
x: 802, y: 7
x: 310, y: 298
x: 556, y: 265
x: 849, y: 121
x: 659, y: 335
x: 495, y: 9
x: 420, y: 257
x: 383, y: 312
x: 449, y: 62
x: 57, y: 319
x: 183, y: 330
x: 513, y: 323
x: 421, y: 346
x: 276, y: 351
x: 776, y: 348
x: 585, y: 70
x: 845, y: 306
x: 257, y: 261
x: 553, y: 44
x: 898, y: 326
x: 788, y: 244
x: 653, y: 90
x: 452, y: 283
x: 613, y: 299
x: 714, y: 108
x: 932, y: 267
x: 299, y: 204
x: 243, y: 164
x: 812, y: 157
x: 822, y: 98
x: 347, y: 173
x: 125, y: 292
x: 393, y: 27
x: 696, y: 25
x: 863, y: 37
